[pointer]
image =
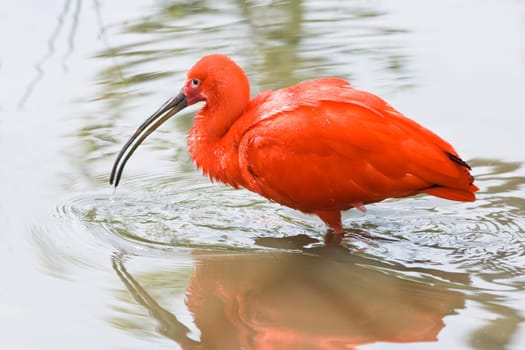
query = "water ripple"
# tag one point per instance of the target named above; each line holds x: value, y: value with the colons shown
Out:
x: 485, y: 238
x: 195, y: 217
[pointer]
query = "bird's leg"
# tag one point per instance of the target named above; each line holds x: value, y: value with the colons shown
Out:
x: 332, y: 219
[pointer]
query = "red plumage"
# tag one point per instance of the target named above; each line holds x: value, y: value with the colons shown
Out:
x: 319, y: 146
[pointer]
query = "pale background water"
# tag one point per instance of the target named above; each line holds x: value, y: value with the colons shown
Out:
x: 173, y: 261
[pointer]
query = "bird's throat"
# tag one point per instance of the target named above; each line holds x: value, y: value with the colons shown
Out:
x: 214, y: 150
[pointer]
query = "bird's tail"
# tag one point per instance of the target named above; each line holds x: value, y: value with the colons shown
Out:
x: 455, y: 194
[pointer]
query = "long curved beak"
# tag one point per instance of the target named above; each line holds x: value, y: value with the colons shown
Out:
x: 168, y: 109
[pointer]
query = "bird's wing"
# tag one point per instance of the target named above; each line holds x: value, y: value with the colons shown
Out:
x: 343, y: 147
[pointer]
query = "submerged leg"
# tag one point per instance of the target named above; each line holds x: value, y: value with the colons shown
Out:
x: 332, y: 219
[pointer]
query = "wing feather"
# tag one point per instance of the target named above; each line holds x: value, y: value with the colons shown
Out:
x: 343, y: 146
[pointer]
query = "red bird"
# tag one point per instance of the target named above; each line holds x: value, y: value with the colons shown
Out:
x: 320, y: 146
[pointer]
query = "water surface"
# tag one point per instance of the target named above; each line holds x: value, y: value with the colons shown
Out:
x: 171, y: 260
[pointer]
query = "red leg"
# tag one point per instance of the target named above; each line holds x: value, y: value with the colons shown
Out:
x: 332, y: 219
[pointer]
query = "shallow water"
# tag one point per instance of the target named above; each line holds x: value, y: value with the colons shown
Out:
x: 171, y: 260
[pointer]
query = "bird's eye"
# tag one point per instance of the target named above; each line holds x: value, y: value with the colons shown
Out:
x: 195, y: 82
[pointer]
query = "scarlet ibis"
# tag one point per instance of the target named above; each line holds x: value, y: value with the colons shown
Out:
x: 319, y: 146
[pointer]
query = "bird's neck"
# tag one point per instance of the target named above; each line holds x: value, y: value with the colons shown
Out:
x: 213, y: 148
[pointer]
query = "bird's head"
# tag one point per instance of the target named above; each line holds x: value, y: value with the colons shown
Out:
x: 214, y: 79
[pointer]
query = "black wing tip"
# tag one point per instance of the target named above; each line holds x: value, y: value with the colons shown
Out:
x: 457, y: 160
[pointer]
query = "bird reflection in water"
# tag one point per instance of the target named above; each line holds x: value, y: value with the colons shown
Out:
x: 323, y: 298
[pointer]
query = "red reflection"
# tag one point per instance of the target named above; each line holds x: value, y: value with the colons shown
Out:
x: 295, y: 301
